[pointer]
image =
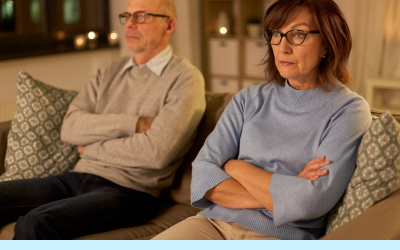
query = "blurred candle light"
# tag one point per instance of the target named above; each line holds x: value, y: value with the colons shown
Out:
x: 80, y: 41
x: 92, y: 39
x: 113, y: 38
x: 92, y: 35
x: 223, y: 24
x: 223, y: 30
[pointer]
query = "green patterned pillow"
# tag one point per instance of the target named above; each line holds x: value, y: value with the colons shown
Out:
x: 34, y: 147
x: 377, y: 174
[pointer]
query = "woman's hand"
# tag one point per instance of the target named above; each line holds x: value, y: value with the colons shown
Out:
x: 312, y: 172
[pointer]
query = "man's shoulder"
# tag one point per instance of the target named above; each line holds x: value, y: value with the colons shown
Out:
x: 181, y: 65
x: 180, y: 71
x: 117, y: 64
x: 113, y: 67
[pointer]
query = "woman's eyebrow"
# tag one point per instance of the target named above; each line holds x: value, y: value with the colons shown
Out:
x: 299, y: 24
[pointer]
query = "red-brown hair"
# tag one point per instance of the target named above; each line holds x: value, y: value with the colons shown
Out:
x: 335, y: 35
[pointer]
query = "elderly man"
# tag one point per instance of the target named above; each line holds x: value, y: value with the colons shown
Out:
x: 133, y: 122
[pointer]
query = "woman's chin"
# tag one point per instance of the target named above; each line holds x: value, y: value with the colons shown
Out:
x: 288, y: 76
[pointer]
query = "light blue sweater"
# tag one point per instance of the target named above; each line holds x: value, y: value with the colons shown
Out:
x: 280, y: 129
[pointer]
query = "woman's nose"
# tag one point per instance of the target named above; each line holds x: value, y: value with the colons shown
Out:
x: 284, y: 46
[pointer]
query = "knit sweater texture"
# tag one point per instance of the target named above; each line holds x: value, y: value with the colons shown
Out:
x: 280, y: 129
x: 104, y: 114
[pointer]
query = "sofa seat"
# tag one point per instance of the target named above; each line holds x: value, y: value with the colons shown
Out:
x: 168, y: 216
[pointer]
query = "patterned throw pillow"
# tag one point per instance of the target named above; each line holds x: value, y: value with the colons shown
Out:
x: 377, y: 174
x: 34, y: 147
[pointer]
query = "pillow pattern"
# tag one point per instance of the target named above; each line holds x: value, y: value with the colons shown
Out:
x: 34, y: 147
x: 377, y: 174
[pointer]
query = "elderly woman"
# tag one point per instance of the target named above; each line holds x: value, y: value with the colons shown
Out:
x: 282, y: 153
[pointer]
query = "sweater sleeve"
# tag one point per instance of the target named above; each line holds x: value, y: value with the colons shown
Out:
x: 171, y: 130
x: 297, y: 199
x: 221, y: 145
x: 82, y: 126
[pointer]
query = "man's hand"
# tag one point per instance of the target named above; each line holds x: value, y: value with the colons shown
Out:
x: 143, y: 124
x: 81, y: 149
x: 311, y: 171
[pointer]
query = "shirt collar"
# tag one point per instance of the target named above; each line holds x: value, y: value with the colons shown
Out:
x: 156, y: 64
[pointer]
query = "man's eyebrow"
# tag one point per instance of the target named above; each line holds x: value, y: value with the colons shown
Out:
x: 126, y: 12
x: 299, y: 24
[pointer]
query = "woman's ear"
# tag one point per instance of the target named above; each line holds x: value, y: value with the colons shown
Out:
x: 171, y: 26
x: 324, y: 53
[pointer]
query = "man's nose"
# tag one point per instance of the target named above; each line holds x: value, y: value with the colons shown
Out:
x: 130, y: 23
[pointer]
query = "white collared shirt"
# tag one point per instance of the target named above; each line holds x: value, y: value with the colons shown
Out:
x: 156, y: 64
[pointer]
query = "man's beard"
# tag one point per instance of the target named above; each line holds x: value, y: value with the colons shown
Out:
x: 139, y: 49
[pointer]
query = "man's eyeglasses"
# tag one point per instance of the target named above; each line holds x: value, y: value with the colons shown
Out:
x: 137, y: 17
x: 294, y: 37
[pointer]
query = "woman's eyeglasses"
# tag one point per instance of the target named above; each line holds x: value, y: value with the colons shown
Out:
x: 294, y: 37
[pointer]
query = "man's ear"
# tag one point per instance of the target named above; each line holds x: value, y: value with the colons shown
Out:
x: 171, y: 26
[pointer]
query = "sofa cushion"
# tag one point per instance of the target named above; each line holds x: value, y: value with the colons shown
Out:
x: 34, y: 147
x: 179, y: 192
x: 377, y: 174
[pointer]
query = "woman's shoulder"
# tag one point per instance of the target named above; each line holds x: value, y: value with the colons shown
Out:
x: 349, y: 102
x: 255, y: 92
x: 346, y: 97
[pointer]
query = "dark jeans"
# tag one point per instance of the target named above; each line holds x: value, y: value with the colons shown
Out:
x: 71, y: 205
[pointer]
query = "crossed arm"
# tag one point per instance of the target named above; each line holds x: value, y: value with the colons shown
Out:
x: 142, y: 125
x: 249, y: 185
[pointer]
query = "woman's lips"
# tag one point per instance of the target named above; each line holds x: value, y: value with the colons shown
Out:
x: 285, y: 63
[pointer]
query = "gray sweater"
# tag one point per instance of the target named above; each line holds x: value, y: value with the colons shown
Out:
x: 104, y: 114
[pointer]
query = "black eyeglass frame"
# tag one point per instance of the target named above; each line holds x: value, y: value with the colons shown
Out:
x: 285, y: 35
x: 123, y: 15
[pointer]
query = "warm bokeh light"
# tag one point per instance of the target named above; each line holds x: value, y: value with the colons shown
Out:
x: 92, y: 45
x: 79, y: 41
x: 114, y: 35
x: 223, y: 30
x: 61, y: 35
x: 113, y: 38
x: 91, y: 35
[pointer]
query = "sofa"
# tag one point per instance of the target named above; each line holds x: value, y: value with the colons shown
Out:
x: 380, y: 222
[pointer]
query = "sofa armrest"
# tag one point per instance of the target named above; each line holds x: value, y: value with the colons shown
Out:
x: 4, y: 128
x: 380, y: 222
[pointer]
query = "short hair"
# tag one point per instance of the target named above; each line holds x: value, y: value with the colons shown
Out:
x: 335, y: 35
x: 168, y: 7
